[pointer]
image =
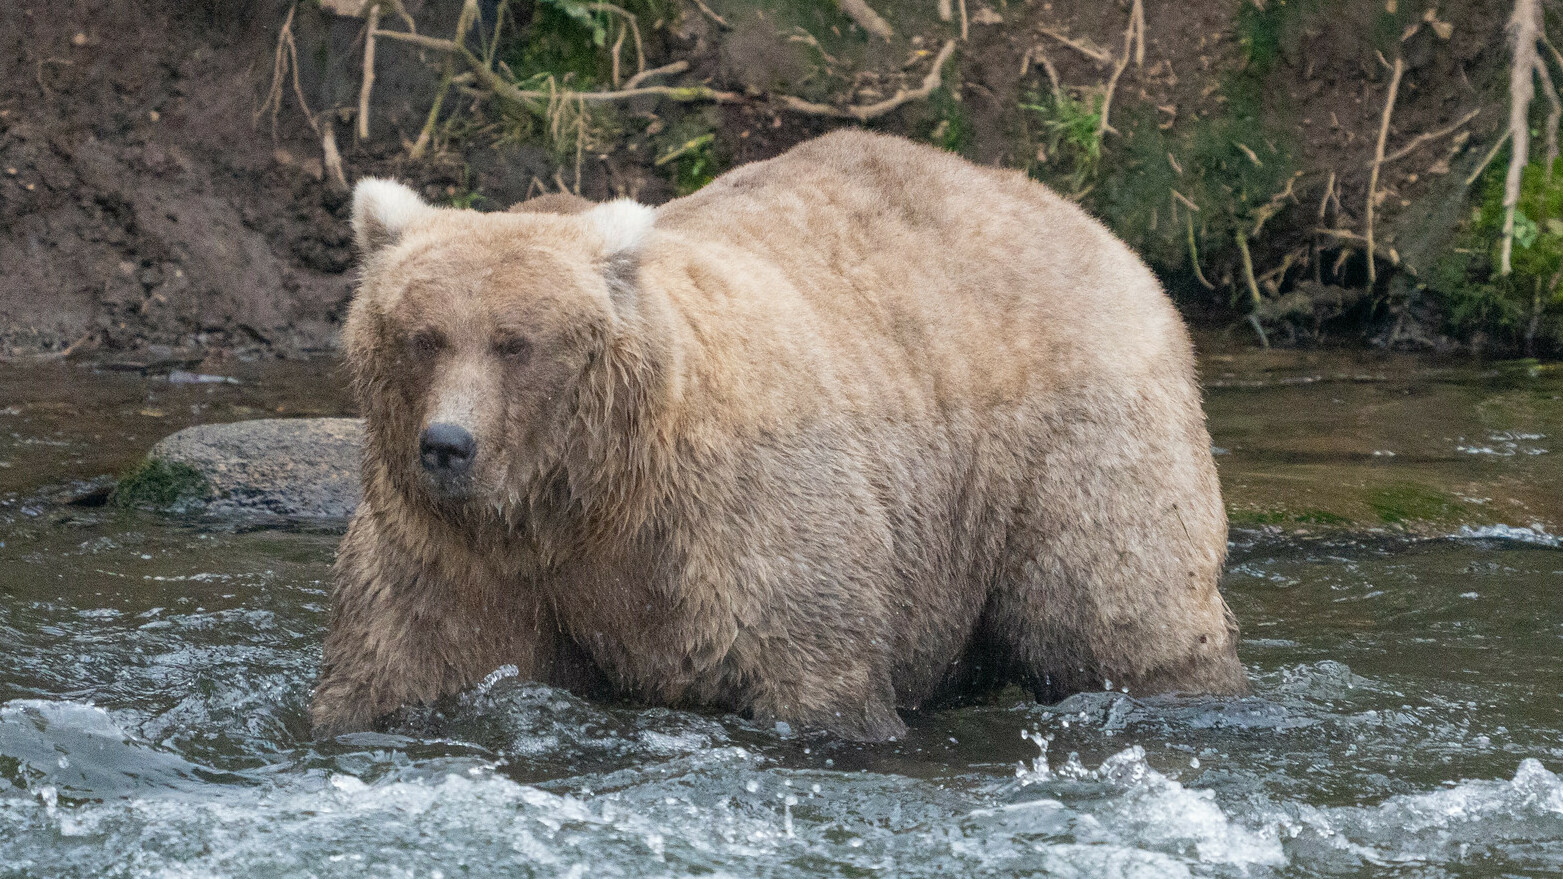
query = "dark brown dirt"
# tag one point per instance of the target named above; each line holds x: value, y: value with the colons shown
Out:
x: 144, y: 207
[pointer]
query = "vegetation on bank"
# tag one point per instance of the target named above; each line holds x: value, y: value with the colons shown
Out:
x: 1229, y: 191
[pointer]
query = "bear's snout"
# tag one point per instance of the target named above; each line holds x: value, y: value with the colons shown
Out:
x: 446, y: 451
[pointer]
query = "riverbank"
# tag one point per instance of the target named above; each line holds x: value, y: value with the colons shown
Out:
x: 166, y: 194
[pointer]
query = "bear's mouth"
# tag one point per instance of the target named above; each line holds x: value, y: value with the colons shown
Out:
x: 449, y: 488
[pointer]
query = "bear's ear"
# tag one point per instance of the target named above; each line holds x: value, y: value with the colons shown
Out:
x: 381, y: 210
x: 622, y: 223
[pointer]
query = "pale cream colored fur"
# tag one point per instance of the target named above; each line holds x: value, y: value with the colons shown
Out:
x: 850, y: 430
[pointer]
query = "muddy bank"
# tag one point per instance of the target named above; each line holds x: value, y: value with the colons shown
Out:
x: 166, y: 190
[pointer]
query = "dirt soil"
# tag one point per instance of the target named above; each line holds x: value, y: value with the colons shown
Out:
x: 150, y: 214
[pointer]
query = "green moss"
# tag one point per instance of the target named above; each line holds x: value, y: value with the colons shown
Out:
x: 1524, y: 309
x: 1410, y: 502
x: 1230, y: 167
x: 161, y: 485
x: 1285, y: 517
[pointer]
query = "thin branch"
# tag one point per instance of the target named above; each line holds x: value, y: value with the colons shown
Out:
x: 1194, y: 253
x: 1487, y: 159
x: 866, y: 18
x: 368, y: 83
x: 711, y: 14
x: 1324, y: 203
x: 1378, y: 160
x: 332, y: 157
x: 863, y: 113
x: 664, y: 70
x: 1248, y: 267
x: 285, y: 62
x: 1139, y: 28
x: 509, y: 91
x: 1135, y: 16
x: 1427, y: 137
x: 634, y: 25
x: 1100, y: 56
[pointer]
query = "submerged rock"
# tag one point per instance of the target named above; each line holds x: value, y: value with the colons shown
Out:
x: 295, y: 467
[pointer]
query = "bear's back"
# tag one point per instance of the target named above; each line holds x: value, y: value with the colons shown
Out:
x: 906, y: 276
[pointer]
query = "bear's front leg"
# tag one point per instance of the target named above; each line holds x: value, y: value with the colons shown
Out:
x: 412, y: 621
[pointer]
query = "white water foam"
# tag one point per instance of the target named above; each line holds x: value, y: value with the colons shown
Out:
x: 1534, y: 533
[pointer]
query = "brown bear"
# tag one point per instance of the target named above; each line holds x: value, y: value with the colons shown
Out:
x: 850, y: 430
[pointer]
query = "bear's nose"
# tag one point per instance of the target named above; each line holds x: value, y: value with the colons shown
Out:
x: 446, y: 449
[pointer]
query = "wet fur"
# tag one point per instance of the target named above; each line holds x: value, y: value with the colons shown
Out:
x: 851, y: 430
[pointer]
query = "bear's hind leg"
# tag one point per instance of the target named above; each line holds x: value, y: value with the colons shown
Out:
x: 1110, y: 573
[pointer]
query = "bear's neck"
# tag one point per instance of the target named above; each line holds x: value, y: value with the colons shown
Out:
x: 614, y: 464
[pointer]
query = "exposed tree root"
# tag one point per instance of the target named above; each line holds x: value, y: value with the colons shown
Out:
x: 711, y: 14
x: 367, y: 86
x: 866, y: 18
x: 532, y: 98
x: 1100, y: 56
x: 1525, y: 29
x: 865, y: 112
x: 1428, y: 137
x: 1194, y: 254
x: 1397, y: 71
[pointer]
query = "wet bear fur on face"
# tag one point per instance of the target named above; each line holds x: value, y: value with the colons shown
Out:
x: 847, y: 431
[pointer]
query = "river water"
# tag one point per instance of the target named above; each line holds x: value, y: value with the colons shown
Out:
x: 1393, y: 563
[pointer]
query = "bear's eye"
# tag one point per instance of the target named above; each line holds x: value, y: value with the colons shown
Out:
x: 513, y: 348
x: 425, y: 343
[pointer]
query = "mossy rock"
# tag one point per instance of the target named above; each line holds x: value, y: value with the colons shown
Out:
x: 298, y: 468
x: 162, y: 485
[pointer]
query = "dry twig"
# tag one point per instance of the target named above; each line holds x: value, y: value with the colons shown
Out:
x: 865, y: 112
x: 1430, y: 136
x: 866, y: 18
x: 1136, y: 16
x: 1397, y: 71
x: 634, y: 26
x: 1194, y: 251
x: 1487, y: 159
x: 711, y: 14
x: 284, y: 63
x: 368, y: 83
x: 1100, y: 56
x: 529, y: 98
x: 1324, y: 203
x: 664, y: 70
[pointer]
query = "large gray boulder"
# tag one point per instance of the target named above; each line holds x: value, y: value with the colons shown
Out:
x: 294, y: 467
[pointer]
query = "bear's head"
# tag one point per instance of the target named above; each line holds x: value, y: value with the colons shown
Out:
x: 473, y: 336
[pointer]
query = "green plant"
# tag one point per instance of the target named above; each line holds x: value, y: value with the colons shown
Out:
x: 1071, y: 139
x: 1524, y: 308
